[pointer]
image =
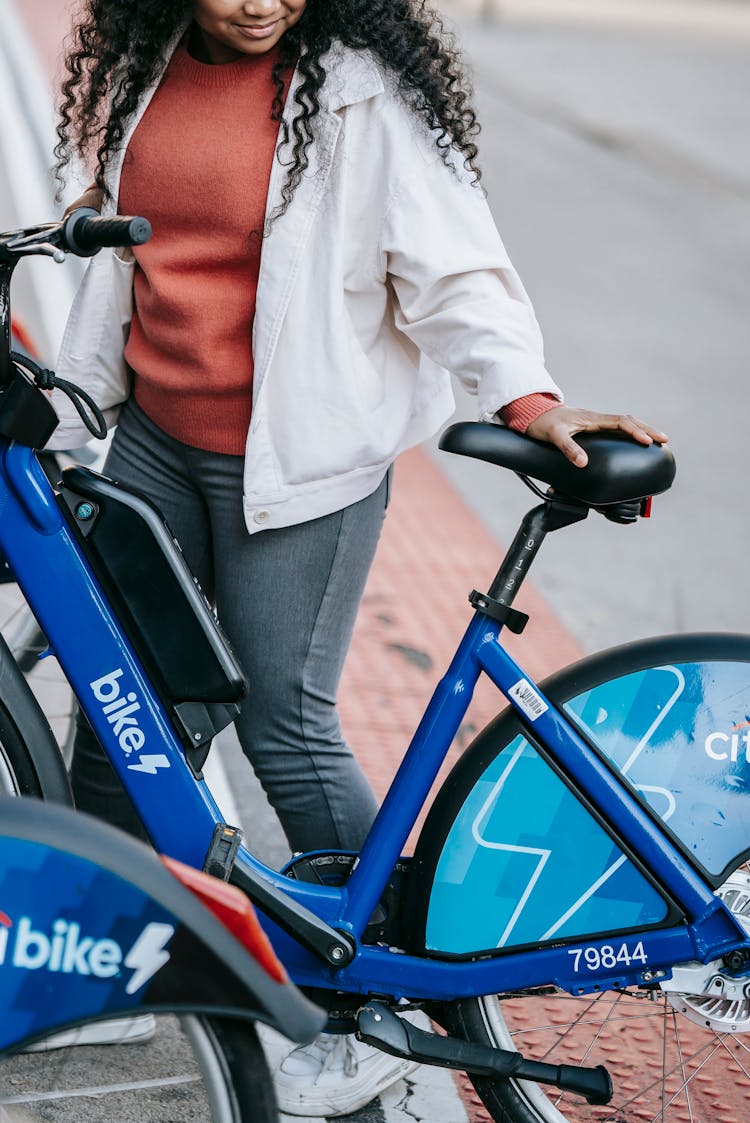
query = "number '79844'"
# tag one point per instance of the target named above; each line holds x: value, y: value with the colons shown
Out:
x: 594, y: 958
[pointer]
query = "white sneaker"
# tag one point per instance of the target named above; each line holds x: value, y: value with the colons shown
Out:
x: 114, y: 1031
x: 334, y: 1075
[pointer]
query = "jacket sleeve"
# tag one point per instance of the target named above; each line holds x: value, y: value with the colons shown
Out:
x: 458, y: 297
x: 92, y: 350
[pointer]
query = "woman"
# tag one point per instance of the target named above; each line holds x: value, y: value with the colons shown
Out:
x: 321, y: 256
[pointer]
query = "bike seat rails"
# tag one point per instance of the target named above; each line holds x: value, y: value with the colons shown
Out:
x: 583, y: 869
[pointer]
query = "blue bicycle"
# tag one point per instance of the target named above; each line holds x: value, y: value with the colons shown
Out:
x: 578, y: 900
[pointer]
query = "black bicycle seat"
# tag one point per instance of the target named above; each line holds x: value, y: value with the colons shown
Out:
x: 619, y: 468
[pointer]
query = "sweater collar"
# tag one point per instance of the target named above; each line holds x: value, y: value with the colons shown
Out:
x: 351, y: 76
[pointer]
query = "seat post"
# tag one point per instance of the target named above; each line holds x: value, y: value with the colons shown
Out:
x: 552, y: 514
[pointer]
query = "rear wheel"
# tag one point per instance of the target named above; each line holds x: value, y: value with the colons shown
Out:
x: 655, y: 710
x: 193, y: 1070
x: 674, y: 1056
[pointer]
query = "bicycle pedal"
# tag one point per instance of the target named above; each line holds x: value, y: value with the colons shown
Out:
x: 223, y: 850
x: 378, y: 1025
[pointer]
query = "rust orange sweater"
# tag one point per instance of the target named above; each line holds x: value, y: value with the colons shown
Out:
x: 198, y: 167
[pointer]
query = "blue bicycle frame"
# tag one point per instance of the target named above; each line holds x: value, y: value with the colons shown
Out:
x: 180, y: 814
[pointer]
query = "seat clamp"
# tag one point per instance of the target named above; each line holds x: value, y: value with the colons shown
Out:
x: 510, y: 617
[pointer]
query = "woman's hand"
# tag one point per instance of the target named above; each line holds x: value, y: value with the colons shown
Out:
x: 92, y: 197
x: 558, y: 425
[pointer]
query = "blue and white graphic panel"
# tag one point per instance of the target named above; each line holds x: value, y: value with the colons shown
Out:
x: 526, y: 863
x: 681, y: 736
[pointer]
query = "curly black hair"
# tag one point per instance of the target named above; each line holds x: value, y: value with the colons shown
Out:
x: 118, y: 46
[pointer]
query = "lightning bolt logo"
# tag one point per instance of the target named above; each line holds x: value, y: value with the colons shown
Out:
x: 150, y: 764
x: 147, y: 954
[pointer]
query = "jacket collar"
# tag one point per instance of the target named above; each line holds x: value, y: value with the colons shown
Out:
x: 351, y: 76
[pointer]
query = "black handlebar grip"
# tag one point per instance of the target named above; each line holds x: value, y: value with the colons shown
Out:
x: 86, y: 232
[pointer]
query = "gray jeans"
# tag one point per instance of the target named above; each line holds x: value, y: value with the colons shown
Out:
x: 287, y: 599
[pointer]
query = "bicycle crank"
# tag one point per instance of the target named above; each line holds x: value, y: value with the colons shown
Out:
x: 378, y: 1025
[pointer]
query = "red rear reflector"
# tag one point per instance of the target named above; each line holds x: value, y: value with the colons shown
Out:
x: 646, y: 507
x: 232, y: 908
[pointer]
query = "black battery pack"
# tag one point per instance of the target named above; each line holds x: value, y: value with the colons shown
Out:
x: 156, y: 598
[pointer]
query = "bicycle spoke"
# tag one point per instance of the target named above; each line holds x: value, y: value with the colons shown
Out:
x: 671, y: 1070
x: 573, y: 1025
x: 664, y: 1059
x: 554, y: 1026
x: 648, y: 1087
x: 678, y: 1042
x: 736, y: 1060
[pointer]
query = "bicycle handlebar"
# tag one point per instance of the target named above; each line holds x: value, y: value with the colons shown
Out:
x: 85, y: 232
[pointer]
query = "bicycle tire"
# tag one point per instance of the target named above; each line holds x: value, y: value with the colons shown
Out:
x: 194, y: 1068
x: 30, y: 760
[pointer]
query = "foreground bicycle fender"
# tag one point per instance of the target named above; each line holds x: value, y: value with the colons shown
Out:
x: 93, y: 925
x: 672, y: 718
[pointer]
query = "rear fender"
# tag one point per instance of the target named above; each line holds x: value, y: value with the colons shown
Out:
x: 92, y: 925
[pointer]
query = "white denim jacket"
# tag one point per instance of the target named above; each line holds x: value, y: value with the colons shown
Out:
x: 385, y: 273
